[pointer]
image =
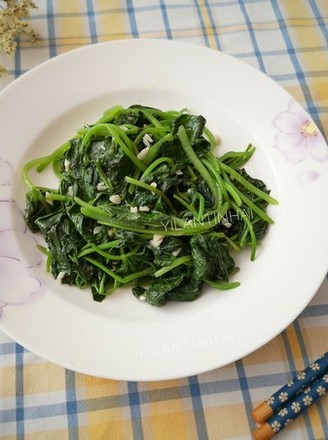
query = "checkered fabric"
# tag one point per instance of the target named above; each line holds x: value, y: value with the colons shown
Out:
x: 286, y: 39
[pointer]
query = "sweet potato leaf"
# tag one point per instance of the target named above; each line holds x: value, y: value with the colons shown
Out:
x: 143, y: 202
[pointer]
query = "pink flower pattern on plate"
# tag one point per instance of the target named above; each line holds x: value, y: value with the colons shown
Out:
x: 297, y: 136
x: 14, y: 236
x: 5, y: 173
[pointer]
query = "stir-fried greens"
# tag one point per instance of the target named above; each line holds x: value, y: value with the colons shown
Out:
x: 143, y: 201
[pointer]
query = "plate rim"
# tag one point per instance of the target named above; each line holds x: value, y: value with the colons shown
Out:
x: 139, y: 42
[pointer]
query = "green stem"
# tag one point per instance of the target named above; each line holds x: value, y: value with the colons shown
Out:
x: 106, y: 130
x: 108, y: 245
x: 27, y: 167
x: 231, y: 242
x: 186, y: 205
x: 243, y: 198
x: 188, y: 229
x: 209, y: 135
x: 58, y: 197
x: 185, y: 143
x: 94, y: 248
x: 201, y: 208
x: 110, y: 114
x: 152, y: 189
x: 123, y: 280
x: 232, y: 191
x: 250, y: 229
x: 44, y: 250
x: 223, y: 286
x: 249, y: 186
x: 155, y: 164
x: 27, y: 181
x: 211, y: 164
x: 150, y: 130
x: 57, y: 155
x: 127, y: 141
x: 237, y: 159
x: 178, y: 262
x: 154, y: 149
x: 151, y: 118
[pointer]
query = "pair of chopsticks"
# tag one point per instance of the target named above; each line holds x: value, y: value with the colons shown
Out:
x: 286, y: 404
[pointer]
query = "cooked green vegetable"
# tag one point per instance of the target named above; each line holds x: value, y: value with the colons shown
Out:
x: 143, y: 201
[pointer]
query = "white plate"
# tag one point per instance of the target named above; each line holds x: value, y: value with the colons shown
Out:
x: 123, y: 338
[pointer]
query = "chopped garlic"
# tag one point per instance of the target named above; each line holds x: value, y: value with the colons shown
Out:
x: 101, y: 186
x: 226, y: 223
x: 49, y: 201
x: 97, y: 229
x: 148, y: 137
x: 142, y: 298
x: 176, y: 252
x: 70, y: 191
x: 143, y: 153
x: 60, y: 276
x: 154, y: 184
x: 116, y: 199
x: 147, y: 140
x: 178, y: 172
x: 144, y: 208
x: 67, y: 165
x: 134, y: 209
x: 157, y: 240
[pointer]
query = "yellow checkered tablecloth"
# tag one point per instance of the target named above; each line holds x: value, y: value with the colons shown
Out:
x: 286, y: 39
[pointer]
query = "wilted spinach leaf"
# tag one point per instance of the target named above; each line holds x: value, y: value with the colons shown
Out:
x: 212, y: 260
x: 143, y: 202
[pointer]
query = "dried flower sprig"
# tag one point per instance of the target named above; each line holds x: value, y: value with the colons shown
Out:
x: 12, y: 23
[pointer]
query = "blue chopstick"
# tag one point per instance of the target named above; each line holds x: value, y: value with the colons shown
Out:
x: 292, y: 399
x: 291, y: 389
x: 294, y: 407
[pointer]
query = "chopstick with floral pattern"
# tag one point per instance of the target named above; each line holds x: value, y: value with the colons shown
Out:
x: 292, y: 399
